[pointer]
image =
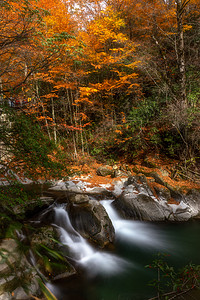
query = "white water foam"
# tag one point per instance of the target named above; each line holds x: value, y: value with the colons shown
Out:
x: 135, y: 232
x: 92, y: 260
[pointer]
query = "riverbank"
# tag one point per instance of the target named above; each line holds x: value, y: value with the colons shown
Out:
x: 139, y: 192
x: 167, y: 169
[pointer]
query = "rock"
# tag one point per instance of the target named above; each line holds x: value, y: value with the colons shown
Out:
x: 104, y: 171
x: 44, y: 243
x: 139, y: 206
x: 6, y: 296
x: 8, y: 247
x: 140, y: 184
x: 33, y: 289
x: 92, y: 221
x: 180, y: 212
x: 192, y: 198
x: 79, y: 198
x: 97, y: 191
x: 45, y: 236
x: 15, y: 271
x: 137, y: 202
x: 131, y: 180
x: 119, y: 172
x: 7, y: 284
x: 33, y: 207
x: 46, y: 217
x: 157, y: 178
x: 68, y: 186
x: 20, y: 294
x: 64, y: 275
x: 162, y: 191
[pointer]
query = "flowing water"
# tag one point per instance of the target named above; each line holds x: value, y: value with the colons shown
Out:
x: 85, y: 256
x: 122, y: 275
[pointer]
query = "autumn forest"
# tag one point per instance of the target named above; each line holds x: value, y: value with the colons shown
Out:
x: 108, y: 79
x: 99, y: 130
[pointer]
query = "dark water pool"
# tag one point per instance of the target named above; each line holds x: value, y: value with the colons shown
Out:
x: 179, y: 241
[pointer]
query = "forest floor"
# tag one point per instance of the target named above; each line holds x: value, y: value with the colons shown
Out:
x: 168, y: 170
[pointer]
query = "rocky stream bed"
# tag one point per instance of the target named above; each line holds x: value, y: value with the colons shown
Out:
x: 33, y: 252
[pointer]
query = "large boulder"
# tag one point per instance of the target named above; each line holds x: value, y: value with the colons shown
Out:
x: 90, y: 218
x: 138, y: 202
x: 139, y: 206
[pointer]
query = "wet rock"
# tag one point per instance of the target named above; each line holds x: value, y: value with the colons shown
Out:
x: 92, y: 221
x: 139, y: 206
x: 46, y: 217
x: 44, y: 242
x: 79, y: 198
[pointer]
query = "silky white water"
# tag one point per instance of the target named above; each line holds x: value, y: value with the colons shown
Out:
x: 138, y: 242
x: 135, y: 232
x: 92, y: 260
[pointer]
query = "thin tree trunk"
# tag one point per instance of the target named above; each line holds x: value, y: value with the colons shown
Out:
x: 54, y: 121
x: 71, y: 119
x: 46, y: 122
x: 180, y: 49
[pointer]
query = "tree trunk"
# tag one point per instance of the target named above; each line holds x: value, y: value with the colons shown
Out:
x: 180, y: 8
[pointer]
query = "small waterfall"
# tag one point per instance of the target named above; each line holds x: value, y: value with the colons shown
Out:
x: 92, y: 260
x: 135, y: 232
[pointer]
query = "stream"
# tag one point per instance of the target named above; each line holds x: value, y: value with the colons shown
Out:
x: 121, y: 274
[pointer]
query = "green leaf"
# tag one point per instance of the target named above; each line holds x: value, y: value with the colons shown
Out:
x: 47, y: 293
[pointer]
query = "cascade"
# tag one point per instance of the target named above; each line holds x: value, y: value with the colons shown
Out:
x: 93, y: 261
x: 135, y: 232
x: 137, y: 242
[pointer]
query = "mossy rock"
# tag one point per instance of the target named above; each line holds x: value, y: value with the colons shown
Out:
x: 104, y: 170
